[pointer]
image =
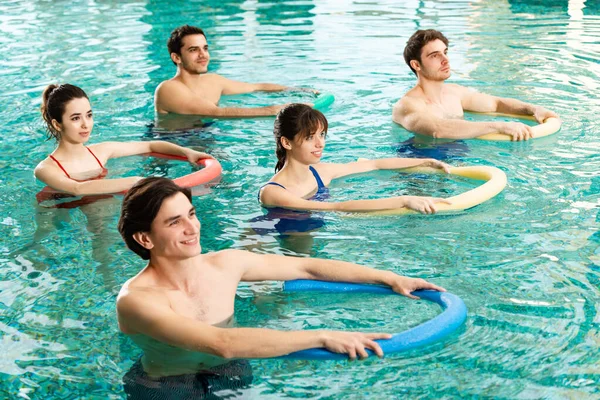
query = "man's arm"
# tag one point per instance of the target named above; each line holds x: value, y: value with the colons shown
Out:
x: 178, y: 99
x: 236, y: 87
x: 480, y: 102
x: 413, y: 115
x: 257, y: 267
x: 148, y: 314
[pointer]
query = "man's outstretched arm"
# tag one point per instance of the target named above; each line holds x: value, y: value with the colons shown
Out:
x: 481, y: 102
x: 175, y: 99
x: 258, y: 267
x: 236, y: 87
x: 414, y: 117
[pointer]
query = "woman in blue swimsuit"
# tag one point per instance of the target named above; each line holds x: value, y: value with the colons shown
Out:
x: 300, y: 182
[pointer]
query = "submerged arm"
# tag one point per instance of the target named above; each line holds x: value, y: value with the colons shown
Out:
x: 142, y: 313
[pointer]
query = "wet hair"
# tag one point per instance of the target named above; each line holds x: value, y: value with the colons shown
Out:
x: 140, y: 207
x: 296, y: 120
x: 54, y: 102
x: 417, y: 41
x: 175, y: 42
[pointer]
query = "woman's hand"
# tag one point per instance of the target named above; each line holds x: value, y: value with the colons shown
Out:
x: 194, y: 156
x: 424, y: 205
x: 433, y: 163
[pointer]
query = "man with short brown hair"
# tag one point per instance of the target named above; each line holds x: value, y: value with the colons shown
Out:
x: 195, y: 91
x: 436, y: 108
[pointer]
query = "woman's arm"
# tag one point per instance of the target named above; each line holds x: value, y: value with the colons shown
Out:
x: 274, y: 196
x: 55, y: 178
x: 333, y: 171
x: 124, y: 149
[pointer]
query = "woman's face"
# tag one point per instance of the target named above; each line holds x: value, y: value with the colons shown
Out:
x: 309, y: 150
x: 77, y: 121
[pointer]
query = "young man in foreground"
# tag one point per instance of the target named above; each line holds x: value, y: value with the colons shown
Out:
x: 179, y: 308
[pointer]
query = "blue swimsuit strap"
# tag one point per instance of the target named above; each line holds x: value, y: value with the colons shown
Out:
x: 266, y: 184
x: 317, y: 177
x: 320, y: 184
x: 272, y: 183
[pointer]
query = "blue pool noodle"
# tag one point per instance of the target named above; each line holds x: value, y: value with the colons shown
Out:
x: 437, y: 328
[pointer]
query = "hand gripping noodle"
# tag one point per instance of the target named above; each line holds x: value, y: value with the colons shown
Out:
x: 453, y: 316
x: 548, y: 127
x: 212, y: 169
x: 324, y: 100
x: 495, y: 183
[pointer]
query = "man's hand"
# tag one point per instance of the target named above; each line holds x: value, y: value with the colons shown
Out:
x: 433, y: 163
x: 424, y: 205
x: 404, y: 285
x: 517, y: 130
x: 353, y: 343
x: 541, y: 114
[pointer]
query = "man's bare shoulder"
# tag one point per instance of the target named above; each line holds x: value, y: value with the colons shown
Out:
x: 456, y: 89
x: 139, y: 292
x: 410, y: 102
x: 224, y: 258
x: 170, y: 86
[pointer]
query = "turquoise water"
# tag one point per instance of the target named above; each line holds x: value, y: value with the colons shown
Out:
x: 526, y: 263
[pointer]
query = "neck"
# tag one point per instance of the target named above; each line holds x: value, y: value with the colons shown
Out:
x: 68, y: 148
x: 295, y: 171
x: 431, y: 89
x: 179, y: 274
x: 185, y: 76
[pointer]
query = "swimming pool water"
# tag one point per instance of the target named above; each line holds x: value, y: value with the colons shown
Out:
x: 526, y: 263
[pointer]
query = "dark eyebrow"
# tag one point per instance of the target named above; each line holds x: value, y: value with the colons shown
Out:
x: 176, y: 217
x: 74, y: 114
x: 437, y: 51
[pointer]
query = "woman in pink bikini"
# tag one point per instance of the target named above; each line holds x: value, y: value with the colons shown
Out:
x: 76, y: 169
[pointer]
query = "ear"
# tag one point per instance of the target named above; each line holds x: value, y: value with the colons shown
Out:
x: 56, y: 125
x: 143, y: 239
x: 415, y: 65
x: 285, y: 143
x: 176, y: 58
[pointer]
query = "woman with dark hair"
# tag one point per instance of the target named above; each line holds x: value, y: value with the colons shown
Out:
x: 76, y: 169
x: 300, y: 182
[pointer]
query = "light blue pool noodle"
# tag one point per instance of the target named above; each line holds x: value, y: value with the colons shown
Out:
x: 323, y: 101
x: 437, y: 328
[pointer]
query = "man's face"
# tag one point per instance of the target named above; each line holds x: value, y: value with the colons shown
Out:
x: 175, y: 232
x: 434, y: 64
x: 194, y: 56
